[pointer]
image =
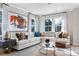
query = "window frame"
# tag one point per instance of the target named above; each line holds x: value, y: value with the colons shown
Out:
x: 57, y: 25
x: 48, y: 27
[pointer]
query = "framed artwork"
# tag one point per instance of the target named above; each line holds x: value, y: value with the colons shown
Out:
x: 17, y: 22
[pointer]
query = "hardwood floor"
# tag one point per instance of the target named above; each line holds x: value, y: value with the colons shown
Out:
x: 31, y: 50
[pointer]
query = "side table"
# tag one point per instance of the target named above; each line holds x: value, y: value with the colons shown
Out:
x: 7, y: 44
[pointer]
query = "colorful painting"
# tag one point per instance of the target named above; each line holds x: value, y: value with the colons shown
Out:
x: 17, y: 22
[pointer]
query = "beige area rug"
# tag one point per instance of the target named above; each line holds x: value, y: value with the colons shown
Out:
x: 57, y: 53
x: 50, y: 53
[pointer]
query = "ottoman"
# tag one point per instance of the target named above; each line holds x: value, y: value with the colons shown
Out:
x: 60, y: 45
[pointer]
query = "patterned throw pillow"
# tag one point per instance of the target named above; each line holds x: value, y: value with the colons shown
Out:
x: 65, y: 35
x: 18, y: 36
x: 60, y: 35
x: 22, y: 35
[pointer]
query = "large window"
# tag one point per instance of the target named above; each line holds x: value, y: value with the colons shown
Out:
x: 0, y: 22
x: 55, y: 24
x: 48, y: 25
x: 32, y: 25
x: 58, y: 24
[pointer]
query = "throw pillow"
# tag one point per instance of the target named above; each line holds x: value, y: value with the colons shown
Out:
x: 65, y: 35
x: 60, y: 35
x: 18, y: 36
x: 26, y: 36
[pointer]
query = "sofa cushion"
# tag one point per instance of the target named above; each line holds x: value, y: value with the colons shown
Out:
x: 32, y: 39
x: 62, y: 40
x: 23, y: 41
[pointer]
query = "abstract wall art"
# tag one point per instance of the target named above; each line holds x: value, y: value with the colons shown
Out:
x: 18, y: 21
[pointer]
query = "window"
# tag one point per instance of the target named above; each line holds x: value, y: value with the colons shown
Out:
x: 58, y: 24
x: 48, y: 25
x: 0, y: 23
x: 33, y: 25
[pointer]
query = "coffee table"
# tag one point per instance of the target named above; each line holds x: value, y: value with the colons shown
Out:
x: 50, y: 50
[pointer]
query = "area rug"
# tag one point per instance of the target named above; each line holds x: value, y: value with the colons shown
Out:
x: 58, y: 53
x: 67, y: 52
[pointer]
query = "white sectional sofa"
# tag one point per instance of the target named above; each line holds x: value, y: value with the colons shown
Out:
x: 24, y: 43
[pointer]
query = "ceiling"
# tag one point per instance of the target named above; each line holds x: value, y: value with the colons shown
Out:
x: 46, y: 8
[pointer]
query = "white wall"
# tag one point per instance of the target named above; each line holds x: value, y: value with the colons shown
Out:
x: 0, y: 5
x: 35, y: 17
x: 72, y: 21
x: 73, y: 25
x: 15, y: 10
x: 42, y: 23
x: 69, y: 24
x: 4, y: 18
x: 29, y: 17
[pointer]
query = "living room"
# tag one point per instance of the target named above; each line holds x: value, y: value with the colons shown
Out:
x: 39, y: 29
